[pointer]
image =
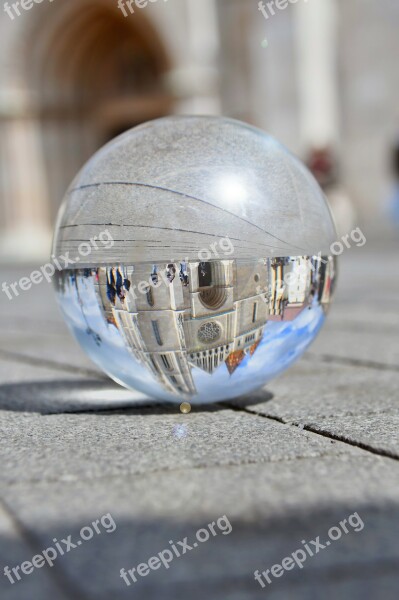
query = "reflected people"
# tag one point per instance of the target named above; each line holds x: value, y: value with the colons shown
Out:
x: 203, y: 331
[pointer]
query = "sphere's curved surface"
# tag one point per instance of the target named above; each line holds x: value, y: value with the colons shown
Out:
x: 200, y: 249
x: 185, y: 182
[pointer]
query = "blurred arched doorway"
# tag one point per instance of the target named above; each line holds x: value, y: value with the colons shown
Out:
x: 93, y: 74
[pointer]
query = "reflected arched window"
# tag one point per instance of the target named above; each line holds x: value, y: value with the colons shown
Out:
x: 254, y: 312
x: 205, y: 274
x: 156, y: 333
x: 212, y: 292
x: 150, y: 296
x: 165, y: 361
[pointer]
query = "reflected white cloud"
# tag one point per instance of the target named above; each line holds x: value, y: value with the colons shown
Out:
x: 222, y: 331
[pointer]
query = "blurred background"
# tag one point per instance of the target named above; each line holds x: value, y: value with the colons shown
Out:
x: 320, y: 75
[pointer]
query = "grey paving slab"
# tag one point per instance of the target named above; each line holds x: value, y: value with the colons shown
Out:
x: 163, y: 475
x: 28, y: 386
x: 19, y: 323
x: 38, y: 302
x: 14, y: 550
x: 369, y: 586
x: 34, y: 446
x: 363, y: 322
x: 366, y: 274
x: 380, y: 432
x: 34, y: 389
x: 59, y: 348
x: 349, y: 315
x: 271, y: 507
x: 14, y: 371
x: 359, y: 405
x: 32, y: 326
x: 321, y: 390
x: 361, y: 342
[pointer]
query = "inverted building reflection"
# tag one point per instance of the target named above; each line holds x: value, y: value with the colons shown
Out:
x: 176, y: 317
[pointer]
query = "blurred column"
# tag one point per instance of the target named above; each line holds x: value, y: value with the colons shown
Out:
x: 196, y: 81
x: 26, y: 228
x: 316, y: 56
x: 237, y: 70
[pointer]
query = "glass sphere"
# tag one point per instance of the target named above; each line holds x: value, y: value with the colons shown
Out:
x: 201, y: 265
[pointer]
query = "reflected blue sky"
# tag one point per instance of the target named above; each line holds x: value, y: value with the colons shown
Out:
x: 281, y: 345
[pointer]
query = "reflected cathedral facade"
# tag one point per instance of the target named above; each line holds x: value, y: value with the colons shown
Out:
x: 214, y: 312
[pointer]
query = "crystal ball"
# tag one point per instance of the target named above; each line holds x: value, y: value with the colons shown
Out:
x: 198, y: 256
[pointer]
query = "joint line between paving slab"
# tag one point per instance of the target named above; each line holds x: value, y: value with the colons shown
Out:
x: 319, y: 575
x: 56, y: 574
x: 352, y: 362
x: 331, y: 436
x: 49, y: 364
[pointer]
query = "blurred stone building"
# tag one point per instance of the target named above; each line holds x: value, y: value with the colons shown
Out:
x: 75, y: 73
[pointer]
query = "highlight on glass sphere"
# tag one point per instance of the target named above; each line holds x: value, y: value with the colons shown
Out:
x: 201, y: 259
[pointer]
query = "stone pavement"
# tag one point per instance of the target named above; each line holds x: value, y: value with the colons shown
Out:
x: 284, y: 465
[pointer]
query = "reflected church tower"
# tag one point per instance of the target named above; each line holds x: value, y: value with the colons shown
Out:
x: 227, y: 314
x: 218, y: 316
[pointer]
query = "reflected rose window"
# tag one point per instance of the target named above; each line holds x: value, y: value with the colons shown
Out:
x: 209, y: 332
